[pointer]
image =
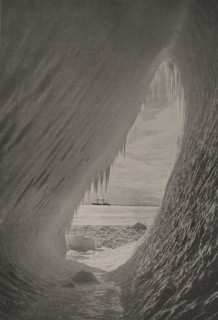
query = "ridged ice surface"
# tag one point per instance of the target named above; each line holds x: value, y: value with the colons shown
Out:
x: 73, y: 77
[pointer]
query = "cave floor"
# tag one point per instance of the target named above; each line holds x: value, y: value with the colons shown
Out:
x: 99, y: 301
x: 85, y: 301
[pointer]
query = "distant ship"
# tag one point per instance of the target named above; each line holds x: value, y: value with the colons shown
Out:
x: 101, y: 202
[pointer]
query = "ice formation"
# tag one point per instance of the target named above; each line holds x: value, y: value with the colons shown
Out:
x: 73, y: 77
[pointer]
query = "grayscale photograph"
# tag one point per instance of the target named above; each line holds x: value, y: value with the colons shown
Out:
x: 109, y: 160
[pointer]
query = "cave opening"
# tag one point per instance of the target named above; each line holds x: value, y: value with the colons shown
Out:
x: 114, y: 218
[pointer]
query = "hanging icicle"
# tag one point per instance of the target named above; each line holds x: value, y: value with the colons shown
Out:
x: 96, y: 183
x: 168, y: 77
x: 107, y: 175
x: 101, y: 179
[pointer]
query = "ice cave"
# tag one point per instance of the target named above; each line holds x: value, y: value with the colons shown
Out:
x: 74, y: 75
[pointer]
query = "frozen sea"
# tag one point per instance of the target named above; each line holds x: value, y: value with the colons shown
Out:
x: 114, y: 215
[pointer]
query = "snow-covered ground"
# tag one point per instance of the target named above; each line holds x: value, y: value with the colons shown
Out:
x: 114, y: 245
x: 106, y: 259
x: 112, y: 231
x: 107, y: 236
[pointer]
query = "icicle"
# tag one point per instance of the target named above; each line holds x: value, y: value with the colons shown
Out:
x: 168, y: 73
x: 88, y: 193
x: 96, y: 183
x: 101, y: 179
x: 124, y: 148
x: 75, y: 210
x: 89, y: 190
x: 107, y: 176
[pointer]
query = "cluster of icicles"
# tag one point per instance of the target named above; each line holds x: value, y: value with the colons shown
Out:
x: 102, y: 180
x: 168, y: 75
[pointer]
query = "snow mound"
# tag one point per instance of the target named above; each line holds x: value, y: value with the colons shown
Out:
x: 81, y: 243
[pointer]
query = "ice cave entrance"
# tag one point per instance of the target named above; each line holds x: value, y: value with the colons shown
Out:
x: 115, y: 217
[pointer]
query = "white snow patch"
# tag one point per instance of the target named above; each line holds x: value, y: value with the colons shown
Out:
x: 106, y: 259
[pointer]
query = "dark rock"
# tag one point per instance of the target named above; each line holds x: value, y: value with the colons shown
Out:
x: 85, y: 277
x: 139, y: 226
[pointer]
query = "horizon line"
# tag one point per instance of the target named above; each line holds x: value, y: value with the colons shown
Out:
x: 126, y: 205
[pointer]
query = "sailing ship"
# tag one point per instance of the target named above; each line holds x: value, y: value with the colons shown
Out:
x: 101, y: 202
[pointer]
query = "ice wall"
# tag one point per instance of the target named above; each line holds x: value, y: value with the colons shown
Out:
x: 73, y: 77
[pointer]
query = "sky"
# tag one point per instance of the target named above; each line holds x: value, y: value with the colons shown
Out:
x: 141, y: 176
